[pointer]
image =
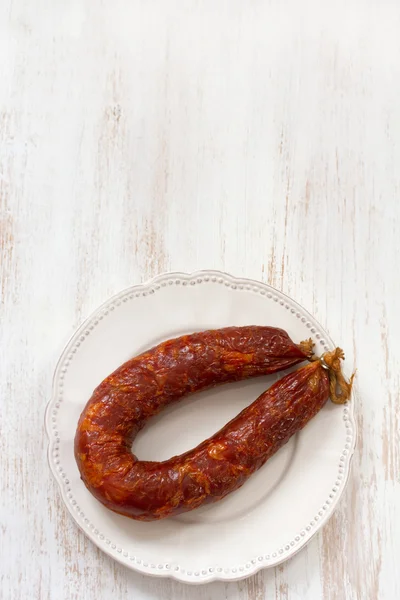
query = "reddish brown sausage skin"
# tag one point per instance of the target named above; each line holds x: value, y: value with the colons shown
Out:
x: 140, y: 388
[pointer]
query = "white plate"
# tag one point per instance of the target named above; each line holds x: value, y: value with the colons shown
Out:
x: 277, y: 511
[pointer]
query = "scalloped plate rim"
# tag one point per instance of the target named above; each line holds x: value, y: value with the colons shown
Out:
x: 177, y: 575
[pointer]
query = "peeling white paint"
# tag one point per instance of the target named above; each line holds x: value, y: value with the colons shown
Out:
x: 261, y: 138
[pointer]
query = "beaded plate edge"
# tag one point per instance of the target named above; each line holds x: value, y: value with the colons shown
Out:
x: 210, y: 572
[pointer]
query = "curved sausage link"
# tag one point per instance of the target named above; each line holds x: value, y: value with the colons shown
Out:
x: 140, y: 388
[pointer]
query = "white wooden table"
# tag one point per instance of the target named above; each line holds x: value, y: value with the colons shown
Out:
x: 257, y: 137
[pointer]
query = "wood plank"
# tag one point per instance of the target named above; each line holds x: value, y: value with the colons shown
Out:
x: 261, y: 138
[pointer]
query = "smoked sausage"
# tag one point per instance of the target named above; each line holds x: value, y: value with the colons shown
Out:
x: 139, y: 389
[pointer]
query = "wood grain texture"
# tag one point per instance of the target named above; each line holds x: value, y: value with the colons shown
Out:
x: 258, y: 137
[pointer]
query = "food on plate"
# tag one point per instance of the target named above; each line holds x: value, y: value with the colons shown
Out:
x: 139, y: 389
